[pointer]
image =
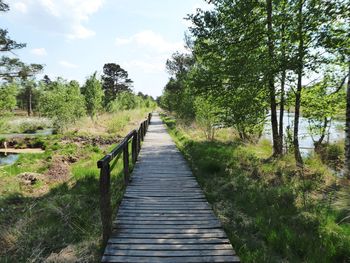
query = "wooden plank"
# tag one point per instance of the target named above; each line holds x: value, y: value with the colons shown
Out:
x: 158, y: 213
x: 160, y: 202
x: 171, y: 246
x: 163, y: 211
x: 165, y: 193
x: 167, y: 253
x: 166, y: 222
x: 164, y: 207
x: 127, y: 259
x: 203, y: 233
x: 170, y: 235
x: 134, y: 240
x: 178, y: 197
x: 167, y: 234
x: 161, y: 217
x: 163, y: 189
x: 178, y: 226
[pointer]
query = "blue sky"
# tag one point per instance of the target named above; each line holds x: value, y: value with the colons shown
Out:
x: 74, y: 38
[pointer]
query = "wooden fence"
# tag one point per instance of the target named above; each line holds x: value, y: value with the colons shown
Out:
x: 135, y: 136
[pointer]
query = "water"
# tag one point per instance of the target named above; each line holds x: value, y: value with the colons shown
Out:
x: 8, y: 159
x: 335, y: 132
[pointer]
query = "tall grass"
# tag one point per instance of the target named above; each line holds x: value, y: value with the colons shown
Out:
x: 24, y: 124
x: 109, y: 124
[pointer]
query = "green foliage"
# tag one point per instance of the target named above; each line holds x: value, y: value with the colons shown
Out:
x: 93, y: 94
x: 320, y: 112
x: 8, y: 94
x: 129, y: 101
x: 63, y: 103
x: 206, y: 116
x: 178, y: 95
x: 332, y: 154
x: 124, y: 101
x: 115, y: 80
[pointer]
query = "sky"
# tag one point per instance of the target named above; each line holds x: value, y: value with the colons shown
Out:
x: 75, y: 38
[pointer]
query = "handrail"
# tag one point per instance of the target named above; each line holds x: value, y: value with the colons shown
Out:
x: 105, y: 172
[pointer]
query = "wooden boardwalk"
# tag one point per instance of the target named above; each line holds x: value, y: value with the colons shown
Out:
x: 164, y: 216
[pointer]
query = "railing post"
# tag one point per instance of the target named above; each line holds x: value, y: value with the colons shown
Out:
x: 105, y: 201
x: 138, y: 140
x: 134, y: 147
x: 126, y: 163
x: 142, y: 131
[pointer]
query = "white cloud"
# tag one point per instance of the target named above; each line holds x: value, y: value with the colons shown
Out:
x: 80, y: 32
x: 39, y: 51
x: 148, y: 38
x: 63, y: 17
x: 146, y: 66
x: 21, y: 7
x: 67, y: 64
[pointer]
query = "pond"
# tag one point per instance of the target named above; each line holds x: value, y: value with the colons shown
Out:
x: 335, y: 132
x: 8, y: 159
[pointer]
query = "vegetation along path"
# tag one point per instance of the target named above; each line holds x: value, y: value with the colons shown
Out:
x: 164, y: 216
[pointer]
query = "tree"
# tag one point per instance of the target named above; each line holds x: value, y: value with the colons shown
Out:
x: 335, y: 39
x: 93, y: 93
x: 62, y: 102
x: 8, y: 94
x: 320, y: 112
x: 28, y: 93
x: 115, y: 80
x: 277, y: 140
x: 230, y: 51
x: 207, y: 116
x: 179, y: 64
x: 12, y: 67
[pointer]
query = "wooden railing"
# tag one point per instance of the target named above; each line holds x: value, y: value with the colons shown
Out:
x: 136, y: 136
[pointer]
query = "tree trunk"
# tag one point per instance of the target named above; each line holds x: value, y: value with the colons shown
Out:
x: 277, y: 144
x: 297, y: 154
x: 29, y: 101
x: 347, y: 127
x: 320, y: 140
x: 283, y: 78
x: 283, y: 81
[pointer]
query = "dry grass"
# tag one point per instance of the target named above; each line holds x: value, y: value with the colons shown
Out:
x: 119, y: 123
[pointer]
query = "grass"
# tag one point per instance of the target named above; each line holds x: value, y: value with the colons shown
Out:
x: 109, y: 124
x: 271, y: 211
x: 20, y: 124
x: 57, y: 218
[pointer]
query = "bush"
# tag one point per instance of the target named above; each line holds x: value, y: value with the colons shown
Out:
x: 331, y: 154
x: 206, y: 117
x: 117, y: 123
x: 8, y: 97
x: 63, y: 103
x: 129, y: 101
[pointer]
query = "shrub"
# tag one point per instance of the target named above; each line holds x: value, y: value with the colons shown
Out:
x: 206, y: 117
x: 63, y: 103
